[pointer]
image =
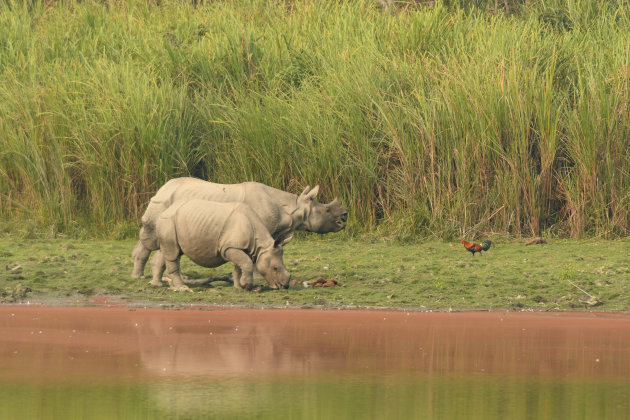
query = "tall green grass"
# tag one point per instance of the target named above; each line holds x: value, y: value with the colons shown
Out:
x: 445, y: 119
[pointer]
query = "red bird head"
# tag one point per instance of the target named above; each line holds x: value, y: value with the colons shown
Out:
x: 462, y: 241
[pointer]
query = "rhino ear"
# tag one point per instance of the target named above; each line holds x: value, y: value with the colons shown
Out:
x: 308, y: 193
x: 283, y: 241
x: 312, y: 193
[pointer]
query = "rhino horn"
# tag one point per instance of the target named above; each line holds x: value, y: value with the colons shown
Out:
x: 335, y: 201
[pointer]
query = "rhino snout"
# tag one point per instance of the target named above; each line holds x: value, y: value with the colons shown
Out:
x: 279, y: 286
x: 282, y: 283
x: 341, y: 221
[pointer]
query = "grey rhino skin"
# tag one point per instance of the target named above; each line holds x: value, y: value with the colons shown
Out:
x: 281, y: 212
x: 211, y: 234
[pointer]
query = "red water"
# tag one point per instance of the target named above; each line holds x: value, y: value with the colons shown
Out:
x: 114, y: 344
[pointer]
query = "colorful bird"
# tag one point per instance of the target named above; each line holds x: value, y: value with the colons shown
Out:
x: 473, y: 247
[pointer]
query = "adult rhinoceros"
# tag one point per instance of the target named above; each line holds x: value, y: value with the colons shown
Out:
x: 211, y: 234
x: 281, y: 212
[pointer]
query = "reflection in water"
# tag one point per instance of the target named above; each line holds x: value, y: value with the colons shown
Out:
x: 121, y: 363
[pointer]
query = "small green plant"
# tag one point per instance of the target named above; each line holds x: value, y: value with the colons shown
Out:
x: 567, y: 272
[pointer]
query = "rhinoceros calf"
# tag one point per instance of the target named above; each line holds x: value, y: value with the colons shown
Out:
x: 211, y: 234
x: 281, y: 212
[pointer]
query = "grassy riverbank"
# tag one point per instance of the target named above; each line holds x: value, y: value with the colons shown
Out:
x: 563, y: 274
x: 440, y: 120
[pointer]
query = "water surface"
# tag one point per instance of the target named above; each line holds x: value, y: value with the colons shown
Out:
x: 120, y: 362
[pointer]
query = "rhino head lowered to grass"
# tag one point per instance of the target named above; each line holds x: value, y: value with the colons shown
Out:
x: 281, y: 212
x: 211, y: 234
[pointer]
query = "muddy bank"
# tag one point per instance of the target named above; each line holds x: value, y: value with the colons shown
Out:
x: 123, y: 343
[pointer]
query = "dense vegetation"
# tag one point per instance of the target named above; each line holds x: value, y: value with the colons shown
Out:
x: 434, y: 118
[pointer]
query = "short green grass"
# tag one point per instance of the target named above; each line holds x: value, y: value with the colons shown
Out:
x: 563, y: 274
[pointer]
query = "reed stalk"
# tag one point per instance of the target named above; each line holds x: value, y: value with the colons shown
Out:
x: 427, y: 118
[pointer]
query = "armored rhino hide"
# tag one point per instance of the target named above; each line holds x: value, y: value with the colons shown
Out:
x: 211, y: 234
x: 281, y: 212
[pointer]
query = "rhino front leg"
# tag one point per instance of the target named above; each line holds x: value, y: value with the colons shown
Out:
x: 236, y: 276
x: 140, y: 255
x: 157, y: 268
x: 243, y: 268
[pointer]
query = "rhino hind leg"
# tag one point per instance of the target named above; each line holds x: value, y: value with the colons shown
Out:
x: 140, y: 255
x: 157, y: 268
x: 148, y: 242
x: 169, y: 255
x: 159, y: 265
x: 243, y: 275
x: 172, y: 271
